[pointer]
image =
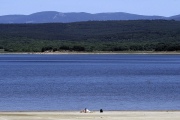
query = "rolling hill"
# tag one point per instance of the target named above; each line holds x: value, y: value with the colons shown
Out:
x: 58, y: 17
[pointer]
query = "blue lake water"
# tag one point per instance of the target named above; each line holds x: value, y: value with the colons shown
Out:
x: 75, y: 82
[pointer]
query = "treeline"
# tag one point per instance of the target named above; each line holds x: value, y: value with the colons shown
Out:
x: 136, y: 35
x: 46, y: 45
x: 75, y: 48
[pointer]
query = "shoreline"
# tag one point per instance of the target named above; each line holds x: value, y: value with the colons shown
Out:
x: 106, y: 115
x: 94, y: 53
x: 99, y: 111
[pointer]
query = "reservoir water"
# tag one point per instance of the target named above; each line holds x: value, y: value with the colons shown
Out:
x: 75, y: 82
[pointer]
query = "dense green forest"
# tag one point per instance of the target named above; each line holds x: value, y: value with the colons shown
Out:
x: 132, y: 35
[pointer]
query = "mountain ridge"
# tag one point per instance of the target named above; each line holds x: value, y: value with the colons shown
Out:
x: 59, y: 17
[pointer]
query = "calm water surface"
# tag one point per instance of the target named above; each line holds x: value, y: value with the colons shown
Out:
x: 73, y: 82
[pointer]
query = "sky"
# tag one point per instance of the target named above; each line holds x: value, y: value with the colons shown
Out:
x: 142, y: 7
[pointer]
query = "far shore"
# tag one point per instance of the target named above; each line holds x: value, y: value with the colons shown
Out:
x: 106, y: 115
x: 99, y: 52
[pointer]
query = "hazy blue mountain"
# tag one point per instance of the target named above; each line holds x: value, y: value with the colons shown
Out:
x: 52, y: 16
x: 10, y: 18
x: 176, y: 17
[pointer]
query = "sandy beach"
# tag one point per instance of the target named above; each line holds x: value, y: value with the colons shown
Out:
x: 106, y: 115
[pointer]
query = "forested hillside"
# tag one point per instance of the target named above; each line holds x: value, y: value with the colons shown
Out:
x: 132, y: 35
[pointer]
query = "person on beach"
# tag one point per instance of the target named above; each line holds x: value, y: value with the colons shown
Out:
x: 85, y: 110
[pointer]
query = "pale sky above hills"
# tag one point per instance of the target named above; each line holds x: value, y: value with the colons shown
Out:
x: 142, y: 7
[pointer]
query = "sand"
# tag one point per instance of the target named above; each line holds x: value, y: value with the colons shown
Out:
x: 106, y: 115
